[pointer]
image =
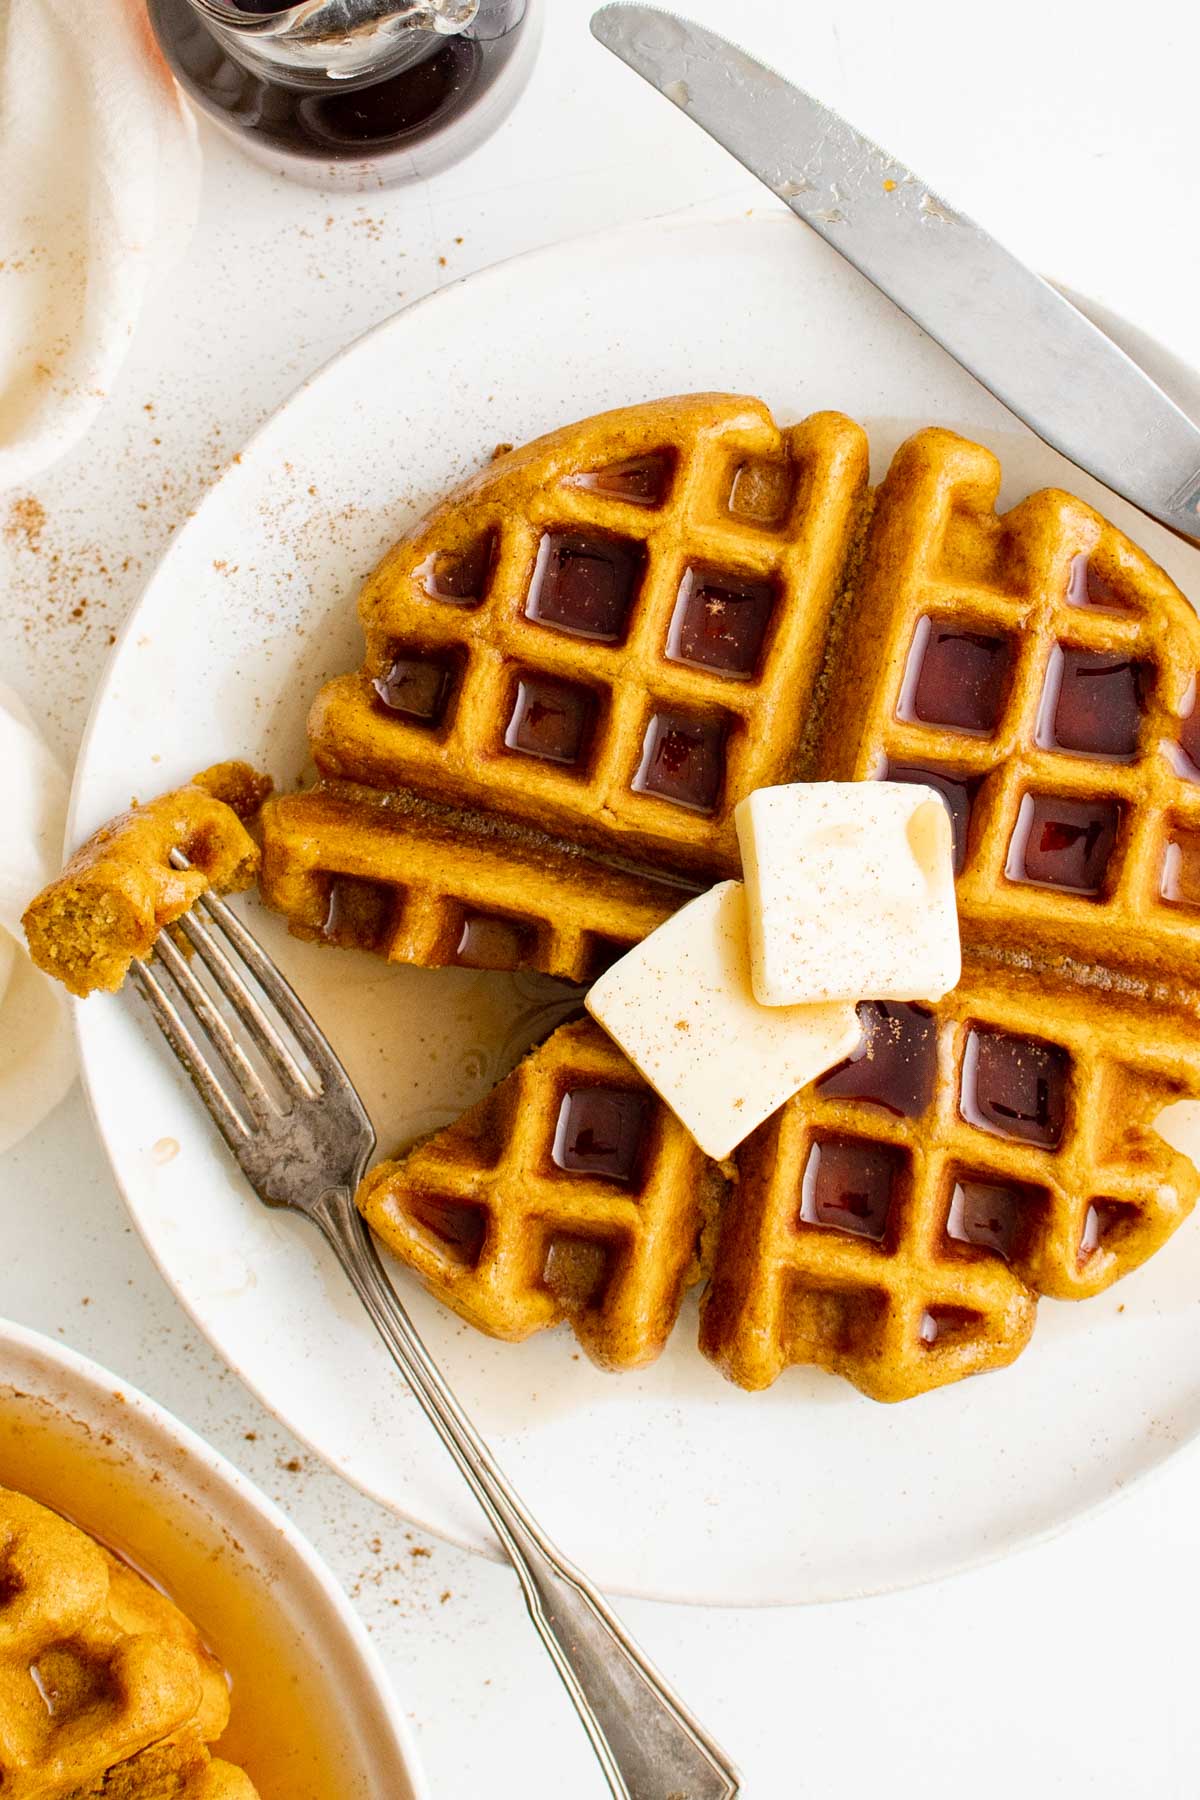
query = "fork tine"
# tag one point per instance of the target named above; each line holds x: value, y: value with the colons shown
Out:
x: 279, y: 992
x: 234, y: 988
x: 230, y: 1123
x: 236, y: 1061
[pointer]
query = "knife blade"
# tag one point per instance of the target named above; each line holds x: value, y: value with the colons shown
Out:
x: 1013, y: 331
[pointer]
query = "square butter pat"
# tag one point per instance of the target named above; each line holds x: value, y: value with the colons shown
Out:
x: 681, y: 1007
x: 850, y: 887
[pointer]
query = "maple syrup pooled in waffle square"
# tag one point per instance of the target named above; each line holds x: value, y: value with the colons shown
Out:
x: 897, y: 1220
x: 1039, y: 671
x: 570, y: 1192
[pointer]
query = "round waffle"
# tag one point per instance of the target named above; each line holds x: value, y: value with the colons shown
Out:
x: 580, y: 663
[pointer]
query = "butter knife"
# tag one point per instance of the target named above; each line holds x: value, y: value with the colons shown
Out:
x: 1012, y: 330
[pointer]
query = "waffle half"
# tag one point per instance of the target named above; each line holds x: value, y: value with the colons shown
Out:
x: 895, y: 1223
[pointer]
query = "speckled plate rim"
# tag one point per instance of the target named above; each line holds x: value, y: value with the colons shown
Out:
x: 1161, y: 1439
x: 83, y: 1399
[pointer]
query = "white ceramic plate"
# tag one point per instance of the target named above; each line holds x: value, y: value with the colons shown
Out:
x: 313, y: 1715
x: 667, y: 1483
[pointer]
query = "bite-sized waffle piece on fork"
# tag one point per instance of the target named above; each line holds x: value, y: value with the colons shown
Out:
x: 106, y: 1689
x: 1039, y: 670
x: 897, y: 1220
x: 120, y: 888
x: 570, y: 1192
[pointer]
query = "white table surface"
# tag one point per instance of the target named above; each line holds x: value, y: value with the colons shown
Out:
x: 1070, y: 130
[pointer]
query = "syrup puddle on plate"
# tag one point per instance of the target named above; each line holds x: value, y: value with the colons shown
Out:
x: 281, y: 1730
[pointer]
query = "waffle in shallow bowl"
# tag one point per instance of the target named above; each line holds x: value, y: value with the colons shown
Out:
x: 582, y: 660
x: 106, y: 1689
x: 894, y: 1223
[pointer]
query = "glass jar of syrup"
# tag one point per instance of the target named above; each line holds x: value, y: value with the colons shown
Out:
x: 352, y: 93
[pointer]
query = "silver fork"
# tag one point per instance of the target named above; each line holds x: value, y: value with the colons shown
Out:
x: 304, y: 1147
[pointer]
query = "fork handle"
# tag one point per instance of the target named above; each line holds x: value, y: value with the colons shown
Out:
x: 649, y: 1745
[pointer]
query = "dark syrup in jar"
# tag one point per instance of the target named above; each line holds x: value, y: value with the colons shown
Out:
x: 447, y: 96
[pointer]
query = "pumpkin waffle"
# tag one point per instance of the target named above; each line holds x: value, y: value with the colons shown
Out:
x: 602, y: 642
x: 106, y: 1689
x: 120, y: 888
x: 1039, y: 671
x: 570, y: 1192
x: 685, y: 561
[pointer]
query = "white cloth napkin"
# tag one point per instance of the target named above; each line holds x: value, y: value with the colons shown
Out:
x: 37, y: 1050
x: 99, y: 177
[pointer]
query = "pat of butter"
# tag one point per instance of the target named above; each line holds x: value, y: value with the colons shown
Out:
x: 850, y: 887
x: 681, y: 1007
